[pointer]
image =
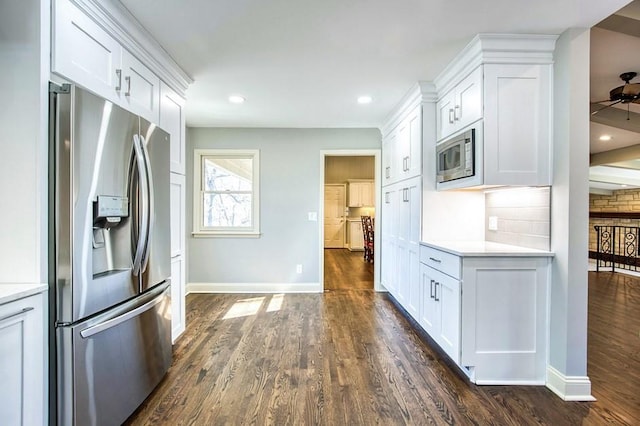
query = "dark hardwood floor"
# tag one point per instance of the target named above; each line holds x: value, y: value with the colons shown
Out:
x: 350, y: 358
x: 347, y: 270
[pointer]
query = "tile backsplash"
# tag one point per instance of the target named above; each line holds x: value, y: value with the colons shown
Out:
x: 522, y: 216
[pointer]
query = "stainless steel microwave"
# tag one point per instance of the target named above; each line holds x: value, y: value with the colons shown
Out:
x: 456, y: 157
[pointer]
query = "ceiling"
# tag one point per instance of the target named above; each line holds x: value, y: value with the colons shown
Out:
x: 615, y: 43
x: 303, y: 63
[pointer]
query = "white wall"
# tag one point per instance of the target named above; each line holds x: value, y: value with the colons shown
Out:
x: 289, y: 185
x: 23, y: 141
x: 569, y: 216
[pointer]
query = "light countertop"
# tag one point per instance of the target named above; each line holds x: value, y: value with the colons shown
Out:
x: 485, y: 249
x: 11, y: 292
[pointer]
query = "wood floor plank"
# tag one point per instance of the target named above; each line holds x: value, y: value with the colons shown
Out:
x: 349, y: 357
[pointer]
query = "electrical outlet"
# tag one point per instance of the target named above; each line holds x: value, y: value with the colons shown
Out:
x: 298, y: 268
x: 493, y: 223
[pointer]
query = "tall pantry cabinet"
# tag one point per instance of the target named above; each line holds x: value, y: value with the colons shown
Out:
x: 100, y: 46
x: 402, y: 138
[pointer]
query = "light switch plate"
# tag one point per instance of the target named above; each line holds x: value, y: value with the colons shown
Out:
x: 313, y: 216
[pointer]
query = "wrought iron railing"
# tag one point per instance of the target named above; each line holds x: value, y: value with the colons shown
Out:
x: 617, y: 247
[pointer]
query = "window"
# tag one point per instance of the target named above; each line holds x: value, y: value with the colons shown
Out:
x: 226, y: 196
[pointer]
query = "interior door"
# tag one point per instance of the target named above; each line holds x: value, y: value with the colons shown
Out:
x: 334, y: 219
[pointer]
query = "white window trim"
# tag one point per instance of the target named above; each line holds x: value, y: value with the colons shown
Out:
x: 198, y: 231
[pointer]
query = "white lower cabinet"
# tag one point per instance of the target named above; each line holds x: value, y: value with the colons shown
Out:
x: 401, y: 242
x: 356, y: 237
x: 22, y: 361
x: 440, y: 309
x: 487, y: 313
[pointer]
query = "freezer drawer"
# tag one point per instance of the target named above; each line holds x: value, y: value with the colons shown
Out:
x: 108, y: 365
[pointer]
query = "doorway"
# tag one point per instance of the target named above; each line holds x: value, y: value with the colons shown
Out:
x: 350, y: 180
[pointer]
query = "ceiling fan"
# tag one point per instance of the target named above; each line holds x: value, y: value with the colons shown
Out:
x: 625, y: 94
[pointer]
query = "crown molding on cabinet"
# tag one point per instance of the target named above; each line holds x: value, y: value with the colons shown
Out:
x: 123, y: 26
x: 421, y: 92
x: 496, y: 49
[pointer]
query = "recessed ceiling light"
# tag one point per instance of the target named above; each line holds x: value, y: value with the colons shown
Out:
x: 365, y: 99
x: 236, y: 99
x: 605, y: 138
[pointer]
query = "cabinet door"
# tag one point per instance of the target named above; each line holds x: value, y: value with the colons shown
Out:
x: 413, y: 217
x: 468, y: 107
x: 517, y: 132
x: 172, y: 120
x: 368, y: 194
x: 356, y: 237
x: 178, y: 311
x: 22, y: 361
x: 355, y: 194
x: 429, y: 318
x: 140, y: 88
x: 84, y: 53
x: 447, y: 294
x: 414, y: 161
x: 408, y: 253
x: 446, y: 123
x: 389, y: 158
x: 388, y: 217
x: 402, y: 149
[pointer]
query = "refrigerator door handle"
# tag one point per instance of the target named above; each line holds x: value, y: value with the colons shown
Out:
x: 156, y: 297
x: 150, y: 209
x: 144, y: 200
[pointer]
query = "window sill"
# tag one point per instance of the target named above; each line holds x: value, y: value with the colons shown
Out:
x: 226, y: 234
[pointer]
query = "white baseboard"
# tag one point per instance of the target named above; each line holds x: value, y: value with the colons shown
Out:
x: 254, y: 288
x: 569, y: 388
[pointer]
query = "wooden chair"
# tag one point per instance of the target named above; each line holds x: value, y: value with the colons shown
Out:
x: 367, y: 233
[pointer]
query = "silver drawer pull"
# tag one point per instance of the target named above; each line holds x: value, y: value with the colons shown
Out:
x: 15, y: 314
x: 435, y: 260
x: 436, y: 292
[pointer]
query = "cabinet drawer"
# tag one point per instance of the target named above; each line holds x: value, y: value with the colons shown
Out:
x: 441, y: 261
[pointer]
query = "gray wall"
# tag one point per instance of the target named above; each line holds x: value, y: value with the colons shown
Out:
x: 289, y: 189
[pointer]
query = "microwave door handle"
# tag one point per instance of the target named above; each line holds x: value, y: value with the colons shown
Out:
x: 150, y: 214
x: 143, y: 190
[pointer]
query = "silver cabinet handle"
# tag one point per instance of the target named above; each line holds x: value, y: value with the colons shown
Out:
x: 407, y: 166
x: 435, y: 260
x: 388, y: 172
x: 119, y: 85
x: 451, y: 115
x: 456, y: 116
x: 128, y: 80
x: 15, y: 314
x: 431, y: 290
x: 436, y: 292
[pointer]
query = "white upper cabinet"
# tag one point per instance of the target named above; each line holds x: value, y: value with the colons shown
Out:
x: 517, y: 125
x: 402, y: 148
x: 84, y: 53
x: 140, y: 88
x: 501, y: 86
x: 461, y: 105
x: 361, y: 193
x: 173, y: 121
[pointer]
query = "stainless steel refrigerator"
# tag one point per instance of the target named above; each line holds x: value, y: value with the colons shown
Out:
x: 109, y: 258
